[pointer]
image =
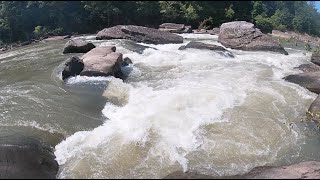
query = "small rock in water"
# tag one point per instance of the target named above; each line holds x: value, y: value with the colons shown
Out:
x: 73, y: 67
x: 126, y: 61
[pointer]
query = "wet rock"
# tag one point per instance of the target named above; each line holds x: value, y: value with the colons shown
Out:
x: 26, y: 158
x: 242, y: 35
x: 139, y: 34
x: 77, y: 46
x: 200, y: 45
x: 303, y: 170
x: 313, y: 112
x: 102, y: 61
x: 126, y: 61
x: 315, y: 58
x: 308, y: 67
x: 73, y: 67
x: 309, y: 80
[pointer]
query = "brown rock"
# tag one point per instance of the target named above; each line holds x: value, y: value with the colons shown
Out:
x: 102, y: 61
x: 200, y: 45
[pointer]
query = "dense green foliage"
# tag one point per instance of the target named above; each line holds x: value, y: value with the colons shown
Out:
x: 24, y: 20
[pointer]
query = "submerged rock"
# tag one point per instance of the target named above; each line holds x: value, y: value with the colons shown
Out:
x: 308, y: 67
x: 26, y: 158
x: 77, y: 46
x: 200, y: 45
x: 303, y: 170
x: 139, y: 34
x: 309, y: 80
x: 102, y: 61
x: 242, y: 35
x: 73, y: 67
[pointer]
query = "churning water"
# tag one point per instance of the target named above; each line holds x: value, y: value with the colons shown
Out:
x: 178, y: 110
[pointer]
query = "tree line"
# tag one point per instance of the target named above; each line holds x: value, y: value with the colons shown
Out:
x: 25, y: 20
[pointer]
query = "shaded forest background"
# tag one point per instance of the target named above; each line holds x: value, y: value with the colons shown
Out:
x: 25, y: 20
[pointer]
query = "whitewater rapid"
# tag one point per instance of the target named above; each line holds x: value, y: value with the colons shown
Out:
x: 192, y: 110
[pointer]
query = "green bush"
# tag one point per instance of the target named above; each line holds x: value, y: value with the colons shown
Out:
x: 263, y: 23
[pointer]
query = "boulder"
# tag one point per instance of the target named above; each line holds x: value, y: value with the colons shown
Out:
x: 242, y: 35
x: 303, y: 170
x: 77, y: 46
x: 315, y: 58
x: 102, y: 61
x: 72, y: 67
x: 26, y: 158
x: 308, y: 67
x: 139, y: 34
x: 200, y: 45
x: 309, y: 80
x: 313, y: 112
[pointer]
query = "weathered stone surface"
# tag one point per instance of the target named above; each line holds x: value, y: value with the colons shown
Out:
x: 73, y: 67
x: 242, y: 35
x: 26, y: 158
x: 77, y: 46
x: 139, y: 34
x: 308, y: 67
x: 178, y: 27
x: 303, y: 170
x: 102, y: 61
x: 309, y: 80
x: 200, y: 45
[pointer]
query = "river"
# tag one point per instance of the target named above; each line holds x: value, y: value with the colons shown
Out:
x: 178, y: 110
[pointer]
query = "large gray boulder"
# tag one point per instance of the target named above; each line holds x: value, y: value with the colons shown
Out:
x: 309, y: 80
x: 139, y: 34
x: 303, y: 170
x: 102, y: 61
x: 244, y: 36
x: 77, y: 46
